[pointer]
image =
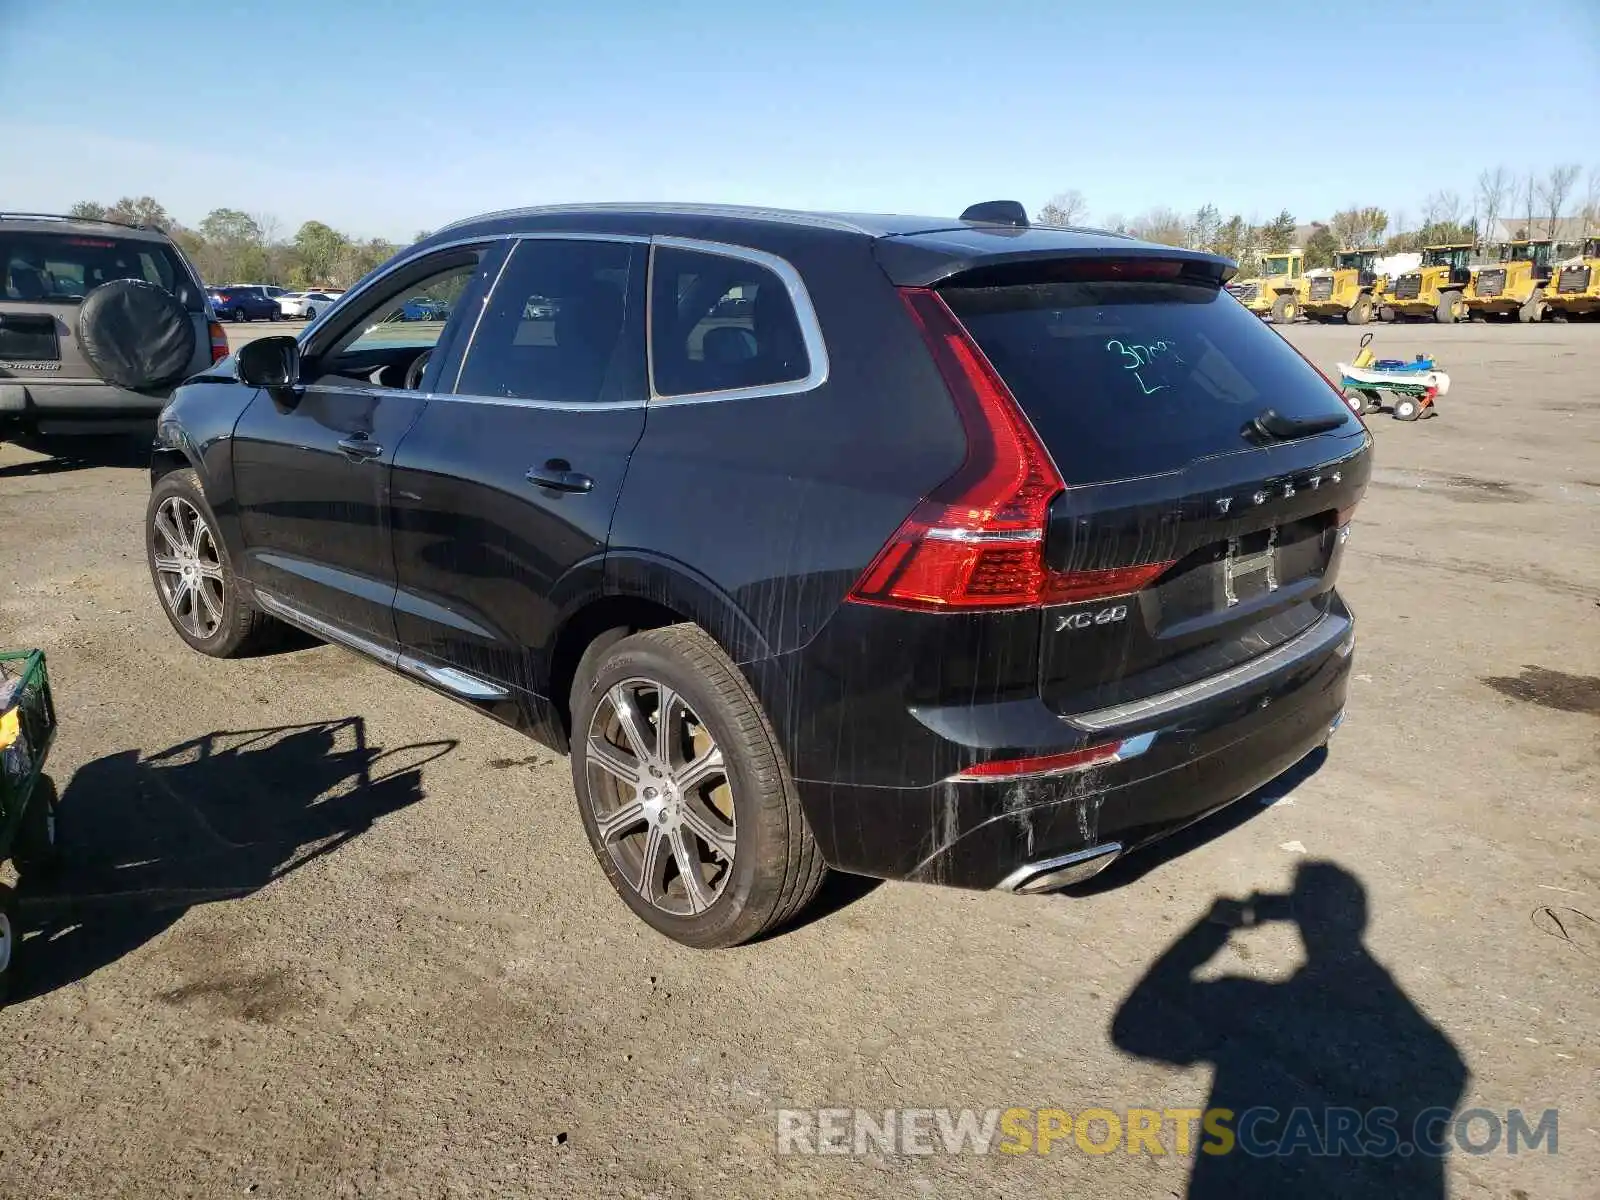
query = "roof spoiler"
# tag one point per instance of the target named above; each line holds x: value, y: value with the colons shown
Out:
x: 998, y: 212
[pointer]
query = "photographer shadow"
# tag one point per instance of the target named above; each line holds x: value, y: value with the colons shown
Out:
x: 1338, y: 1040
x: 219, y: 817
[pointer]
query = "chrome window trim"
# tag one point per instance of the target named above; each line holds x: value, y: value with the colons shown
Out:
x: 799, y: 298
x: 786, y: 216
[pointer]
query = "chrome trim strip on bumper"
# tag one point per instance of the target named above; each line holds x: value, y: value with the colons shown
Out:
x: 1051, y: 873
x: 1324, y: 634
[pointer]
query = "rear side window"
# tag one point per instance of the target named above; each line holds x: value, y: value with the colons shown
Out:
x: 556, y: 327
x: 53, y: 268
x: 720, y: 323
x: 1123, y: 378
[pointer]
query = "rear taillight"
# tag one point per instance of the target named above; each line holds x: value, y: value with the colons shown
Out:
x: 977, y: 540
x: 219, y: 341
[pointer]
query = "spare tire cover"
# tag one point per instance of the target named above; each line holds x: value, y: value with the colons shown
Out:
x: 135, y: 334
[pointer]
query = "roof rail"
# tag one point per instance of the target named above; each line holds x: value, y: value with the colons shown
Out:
x: 33, y: 216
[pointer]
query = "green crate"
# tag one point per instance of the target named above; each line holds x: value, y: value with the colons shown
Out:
x: 27, y: 727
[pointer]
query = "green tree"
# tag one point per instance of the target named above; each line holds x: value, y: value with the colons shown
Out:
x: 1277, y: 235
x: 1320, y: 247
x: 230, y: 225
x: 1232, y: 237
x: 141, y: 210
x: 1203, y: 227
x: 319, y: 249
x: 88, y: 210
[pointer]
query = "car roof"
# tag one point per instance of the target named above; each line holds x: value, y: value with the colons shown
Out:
x: 51, y: 223
x: 925, y: 249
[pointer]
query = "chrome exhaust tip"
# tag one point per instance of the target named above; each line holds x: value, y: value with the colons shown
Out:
x: 1051, y: 874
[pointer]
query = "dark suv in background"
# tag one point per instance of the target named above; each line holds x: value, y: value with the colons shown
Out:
x: 946, y: 550
x: 97, y: 321
x: 246, y: 302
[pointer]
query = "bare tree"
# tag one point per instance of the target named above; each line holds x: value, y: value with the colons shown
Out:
x: 1591, y: 202
x: 271, y: 229
x: 1161, y: 225
x: 1443, y: 207
x: 1065, y: 208
x: 1494, y: 189
x: 1555, y: 189
x: 1529, y: 186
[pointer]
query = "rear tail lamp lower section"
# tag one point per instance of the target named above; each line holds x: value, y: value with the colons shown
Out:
x: 219, y: 341
x: 1004, y: 769
x: 977, y: 541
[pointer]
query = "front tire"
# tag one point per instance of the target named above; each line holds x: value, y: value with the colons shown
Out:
x: 684, y: 794
x: 193, y: 576
x: 1449, y: 310
x: 1283, y: 311
x: 1360, y: 312
x: 1531, y: 311
x: 1407, y: 408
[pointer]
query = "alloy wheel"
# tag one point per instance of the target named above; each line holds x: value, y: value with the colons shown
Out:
x: 661, y: 796
x: 189, y: 567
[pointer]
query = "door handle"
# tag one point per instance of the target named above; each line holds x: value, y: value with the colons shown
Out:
x: 358, y: 447
x: 557, y: 474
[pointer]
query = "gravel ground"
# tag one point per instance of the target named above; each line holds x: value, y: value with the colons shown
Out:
x: 325, y: 933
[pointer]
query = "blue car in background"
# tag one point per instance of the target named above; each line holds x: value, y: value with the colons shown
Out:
x: 423, y: 308
x: 244, y: 303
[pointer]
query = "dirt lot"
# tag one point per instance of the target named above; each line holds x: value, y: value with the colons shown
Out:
x: 324, y: 933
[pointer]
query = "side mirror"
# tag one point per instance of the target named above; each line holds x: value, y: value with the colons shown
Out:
x: 269, y: 362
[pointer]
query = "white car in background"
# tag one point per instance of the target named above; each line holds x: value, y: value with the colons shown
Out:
x: 307, y: 304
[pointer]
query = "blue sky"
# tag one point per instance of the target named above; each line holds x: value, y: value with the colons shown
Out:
x: 384, y: 118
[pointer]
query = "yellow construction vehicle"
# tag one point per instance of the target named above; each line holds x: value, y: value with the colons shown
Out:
x: 1574, y: 289
x: 1351, y: 291
x: 1279, y: 292
x: 1515, y: 286
x: 1433, y: 291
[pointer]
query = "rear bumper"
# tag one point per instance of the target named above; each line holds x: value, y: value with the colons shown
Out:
x: 29, y: 405
x: 1047, y: 831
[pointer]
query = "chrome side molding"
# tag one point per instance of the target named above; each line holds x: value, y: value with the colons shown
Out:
x: 468, y: 687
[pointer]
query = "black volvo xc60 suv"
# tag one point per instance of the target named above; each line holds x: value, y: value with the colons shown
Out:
x: 945, y: 550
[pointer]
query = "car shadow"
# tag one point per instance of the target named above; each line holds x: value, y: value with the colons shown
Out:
x: 1207, y: 829
x: 1329, y: 1083
x: 80, y: 453
x: 147, y: 837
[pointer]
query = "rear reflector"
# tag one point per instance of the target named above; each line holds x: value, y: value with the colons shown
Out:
x: 1054, y: 764
x: 219, y: 341
x: 977, y: 540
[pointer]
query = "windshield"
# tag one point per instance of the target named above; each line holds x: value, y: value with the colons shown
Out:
x: 1277, y: 264
x: 1127, y: 379
x: 1354, y: 260
x: 54, y: 268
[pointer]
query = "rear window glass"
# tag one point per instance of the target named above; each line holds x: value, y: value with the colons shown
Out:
x: 720, y: 323
x: 53, y: 268
x: 1123, y: 378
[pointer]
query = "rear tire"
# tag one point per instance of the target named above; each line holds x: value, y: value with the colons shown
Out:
x: 311, y: 313
x: 659, y: 802
x: 198, y: 590
x: 1532, y: 310
x: 1360, y: 312
x: 1283, y: 311
x: 37, y: 850
x: 240, y: 316
x: 1388, y: 315
x: 1448, y: 311
x: 1407, y: 408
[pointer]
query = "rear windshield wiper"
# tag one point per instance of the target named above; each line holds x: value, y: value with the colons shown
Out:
x: 1272, y: 426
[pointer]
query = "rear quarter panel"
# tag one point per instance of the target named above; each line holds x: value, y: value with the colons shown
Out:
x: 755, y: 516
